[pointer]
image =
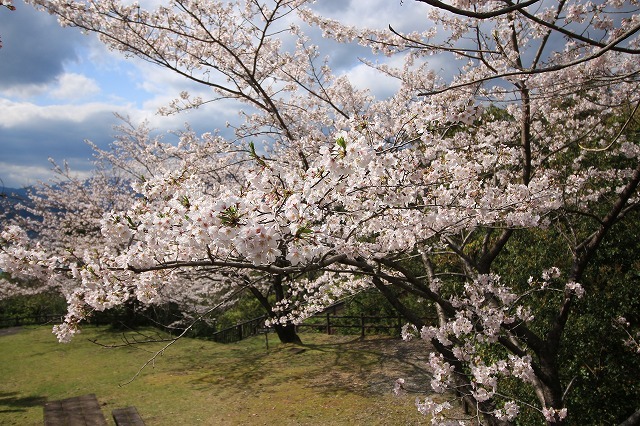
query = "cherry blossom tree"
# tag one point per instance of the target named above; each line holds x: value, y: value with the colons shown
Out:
x: 59, y: 212
x: 62, y: 221
x: 531, y: 142
x: 219, y: 165
x: 63, y: 218
x: 553, y: 109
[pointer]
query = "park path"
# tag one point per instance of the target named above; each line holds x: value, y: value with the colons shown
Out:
x: 9, y: 330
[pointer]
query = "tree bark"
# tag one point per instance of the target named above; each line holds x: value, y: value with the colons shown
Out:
x: 287, y: 333
x: 633, y: 420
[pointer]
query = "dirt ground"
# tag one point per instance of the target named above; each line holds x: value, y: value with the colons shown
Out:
x: 9, y: 330
x: 388, y: 360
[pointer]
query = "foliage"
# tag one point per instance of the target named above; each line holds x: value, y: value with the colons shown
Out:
x: 368, y: 303
x: 371, y: 303
x: 245, y: 308
x: 37, y: 307
x: 598, y: 358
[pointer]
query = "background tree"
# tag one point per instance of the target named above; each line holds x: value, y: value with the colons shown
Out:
x: 64, y: 219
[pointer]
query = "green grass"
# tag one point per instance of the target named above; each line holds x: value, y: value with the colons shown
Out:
x: 332, y: 380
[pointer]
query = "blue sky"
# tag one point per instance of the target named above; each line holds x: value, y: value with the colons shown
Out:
x: 59, y: 87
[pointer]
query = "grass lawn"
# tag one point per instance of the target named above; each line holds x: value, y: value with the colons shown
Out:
x: 331, y: 380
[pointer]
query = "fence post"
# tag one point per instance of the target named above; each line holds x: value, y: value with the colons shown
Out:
x: 239, y: 329
x: 328, y: 323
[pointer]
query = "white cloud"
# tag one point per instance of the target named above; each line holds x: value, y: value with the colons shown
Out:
x: 16, y: 114
x: 363, y: 75
x: 99, y: 55
x: 72, y: 87
x: 404, y: 16
x: 50, y: 113
x: 35, y: 48
x: 163, y: 86
x: 25, y: 91
x: 20, y: 175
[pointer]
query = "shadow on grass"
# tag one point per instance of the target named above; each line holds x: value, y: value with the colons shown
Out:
x: 11, y: 402
x: 368, y: 367
x: 7, y: 331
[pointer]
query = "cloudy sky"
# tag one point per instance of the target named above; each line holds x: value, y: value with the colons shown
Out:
x: 59, y: 87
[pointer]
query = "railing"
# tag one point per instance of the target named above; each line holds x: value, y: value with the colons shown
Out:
x: 239, y: 331
x: 361, y: 324
x: 327, y: 323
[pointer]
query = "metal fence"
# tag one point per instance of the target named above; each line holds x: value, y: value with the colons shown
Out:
x: 240, y: 331
x: 325, y: 323
x: 354, y: 324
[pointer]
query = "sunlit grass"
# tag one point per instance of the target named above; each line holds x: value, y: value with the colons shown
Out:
x: 332, y: 380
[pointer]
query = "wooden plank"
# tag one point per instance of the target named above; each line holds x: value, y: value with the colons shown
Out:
x: 127, y: 416
x: 77, y: 411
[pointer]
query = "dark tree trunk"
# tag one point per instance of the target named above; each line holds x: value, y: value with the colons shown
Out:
x: 633, y: 420
x: 287, y: 334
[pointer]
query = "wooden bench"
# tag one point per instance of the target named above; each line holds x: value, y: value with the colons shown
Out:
x: 127, y: 416
x: 85, y: 411
x: 77, y: 411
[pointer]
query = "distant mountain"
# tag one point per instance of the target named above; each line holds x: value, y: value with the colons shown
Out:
x: 13, y: 193
x: 9, y: 199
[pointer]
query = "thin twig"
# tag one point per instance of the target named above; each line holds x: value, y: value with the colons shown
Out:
x: 161, y: 351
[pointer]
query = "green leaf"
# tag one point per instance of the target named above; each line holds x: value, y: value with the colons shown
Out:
x: 255, y: 156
